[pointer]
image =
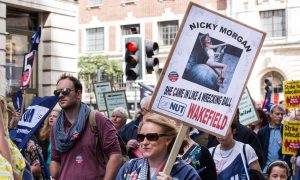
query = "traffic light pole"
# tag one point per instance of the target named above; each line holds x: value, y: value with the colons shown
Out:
x: 135, y: 99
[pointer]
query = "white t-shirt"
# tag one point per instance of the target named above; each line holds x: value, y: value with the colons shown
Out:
x: 223, y: 159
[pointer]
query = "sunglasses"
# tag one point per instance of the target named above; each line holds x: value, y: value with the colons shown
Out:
x: 64, y: 91
x: 150, y: 137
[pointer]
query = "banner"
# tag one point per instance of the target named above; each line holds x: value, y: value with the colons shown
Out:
x: 291, y: 137
x: 291, y: 94
x: 33, y: 117
x: 206, y: 70
x: 247, y: 109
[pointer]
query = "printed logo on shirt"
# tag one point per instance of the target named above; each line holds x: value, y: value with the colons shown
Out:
x: 79, y: 159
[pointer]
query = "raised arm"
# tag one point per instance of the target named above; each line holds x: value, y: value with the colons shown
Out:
x: 215, y: 46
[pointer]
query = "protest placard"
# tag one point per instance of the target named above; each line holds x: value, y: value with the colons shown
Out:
x: 100, y: 88
x: 206, y: 70
x: 247, y: 110
x: 115, y: 99
x: 291, y: 137
x: 291, y: 94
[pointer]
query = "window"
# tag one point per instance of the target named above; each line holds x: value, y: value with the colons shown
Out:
x: 130, y: 29
x: 167, y: 32
x: 95, y: 39
x: 94, y: 2
x: 273, y: 22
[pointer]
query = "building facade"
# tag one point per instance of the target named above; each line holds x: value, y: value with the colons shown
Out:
x: 104, y: 23
x: 58, y: 49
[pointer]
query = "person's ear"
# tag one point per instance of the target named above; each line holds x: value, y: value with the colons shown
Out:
x: 168, y: 141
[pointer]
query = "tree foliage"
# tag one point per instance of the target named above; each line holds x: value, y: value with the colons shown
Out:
x: 88, y: 68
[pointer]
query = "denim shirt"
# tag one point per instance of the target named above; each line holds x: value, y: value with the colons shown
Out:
x: 275, y: 142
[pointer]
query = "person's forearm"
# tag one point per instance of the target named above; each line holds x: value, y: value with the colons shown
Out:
x: 113, y: 166
x: 4, y: 148
x: 54, y: 169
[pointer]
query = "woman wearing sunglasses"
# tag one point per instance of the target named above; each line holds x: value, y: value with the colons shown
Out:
x: 156, y: 135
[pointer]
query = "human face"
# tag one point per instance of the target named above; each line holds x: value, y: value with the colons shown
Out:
x: 154, y: 149
x: 227, y: 140
x: 52, y: 117
x: 70, y: 100
x: 117, y: 120
x: 276, y: 117
x: 278, y: 173
x: 206, y: 39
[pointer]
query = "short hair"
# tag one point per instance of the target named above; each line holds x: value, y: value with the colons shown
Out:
x: 278, y: 163
x: 145, y: 101
x: 77, y: 84
x: 279, y: 106
x: 122, y: 111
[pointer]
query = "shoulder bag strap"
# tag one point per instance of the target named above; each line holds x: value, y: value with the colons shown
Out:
x: 95, y: 131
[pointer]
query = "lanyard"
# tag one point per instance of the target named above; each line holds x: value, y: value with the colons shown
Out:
x: 159, y: 168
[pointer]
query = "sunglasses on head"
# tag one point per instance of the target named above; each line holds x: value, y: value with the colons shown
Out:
x: 64, y: 91
x: 150, y: 137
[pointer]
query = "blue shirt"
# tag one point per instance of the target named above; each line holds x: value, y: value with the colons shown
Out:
x: 275, y: 142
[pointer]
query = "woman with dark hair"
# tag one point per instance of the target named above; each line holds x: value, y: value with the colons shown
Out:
x: 44, y: 135
x: 262, y: 121
x: 278, y: 170
x: 230, y: 156
x: 220, y: 68
x: 156, y: 135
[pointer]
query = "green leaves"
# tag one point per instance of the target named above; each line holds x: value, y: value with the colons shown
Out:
x: 88, y: 68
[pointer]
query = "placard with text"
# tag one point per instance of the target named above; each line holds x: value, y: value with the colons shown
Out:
x: 206, y: 70
x: 100, y: 88
x: 291, y: 94
x: 115, y: 99
x: 248, y: 113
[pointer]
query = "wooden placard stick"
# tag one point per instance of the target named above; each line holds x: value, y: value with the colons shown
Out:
x: 177, y: 144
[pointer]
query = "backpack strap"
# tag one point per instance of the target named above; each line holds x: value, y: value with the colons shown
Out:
x: 244, y: 152
x: 213, y: 152
x: 95, y: 131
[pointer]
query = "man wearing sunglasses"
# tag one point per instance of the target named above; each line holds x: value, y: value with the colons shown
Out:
x: 73, y: 143
x: 270, y: 137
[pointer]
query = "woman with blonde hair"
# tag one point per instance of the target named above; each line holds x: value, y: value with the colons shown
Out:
x: 44, y: 135
x: 156, y: 135
x: 5, y: 157
x: 10, y: 153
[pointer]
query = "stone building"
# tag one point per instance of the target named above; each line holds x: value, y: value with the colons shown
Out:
x: 103, y: 24
x: 58, y: 50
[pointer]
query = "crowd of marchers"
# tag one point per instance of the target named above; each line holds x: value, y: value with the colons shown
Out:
x: 77, y: 142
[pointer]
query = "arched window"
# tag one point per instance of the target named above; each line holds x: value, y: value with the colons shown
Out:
x: 276, y: 79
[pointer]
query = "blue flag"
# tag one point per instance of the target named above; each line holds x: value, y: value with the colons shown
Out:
x: 35, y: 39
x: 17, y: 101
x: 33, y: 117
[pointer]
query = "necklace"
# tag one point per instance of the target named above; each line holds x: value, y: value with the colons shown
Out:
x: 226, y: 155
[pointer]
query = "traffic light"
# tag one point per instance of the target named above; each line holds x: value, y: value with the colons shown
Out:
x: 151, y: 49
x: 133, y: 58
